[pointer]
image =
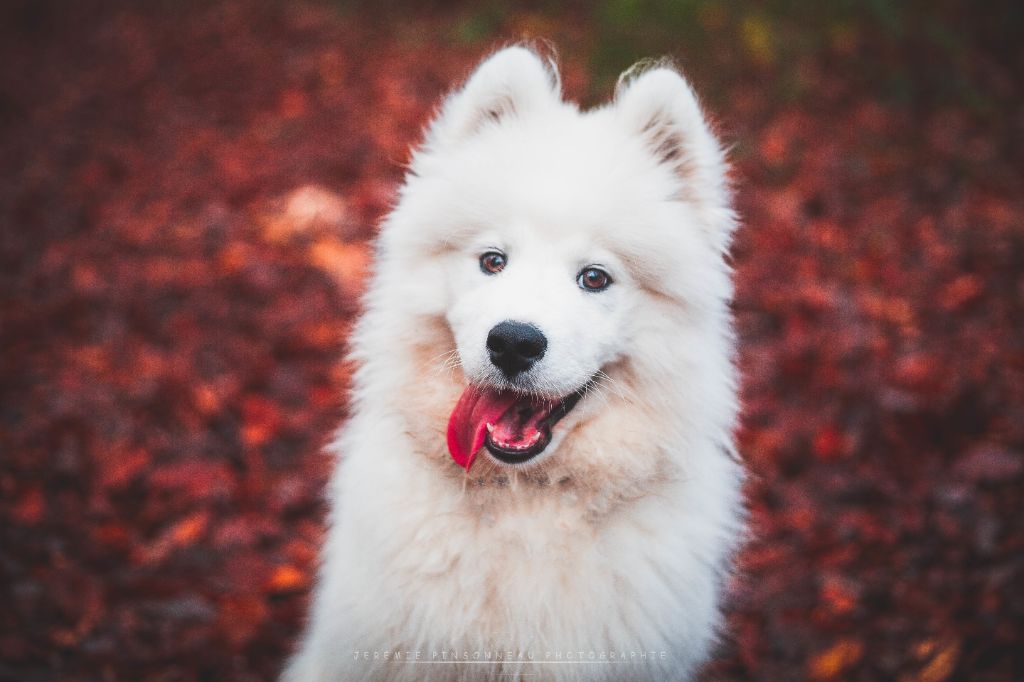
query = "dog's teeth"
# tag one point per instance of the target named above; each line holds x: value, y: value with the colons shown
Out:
x: 490, y: 427
x: 536, y: 437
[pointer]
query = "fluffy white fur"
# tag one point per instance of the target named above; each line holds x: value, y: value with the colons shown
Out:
x: 614, y: 542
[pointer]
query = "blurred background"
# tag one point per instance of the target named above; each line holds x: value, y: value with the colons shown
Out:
x: 188, y: 191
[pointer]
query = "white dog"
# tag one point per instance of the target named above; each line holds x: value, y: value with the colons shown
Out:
x: 538, y: 480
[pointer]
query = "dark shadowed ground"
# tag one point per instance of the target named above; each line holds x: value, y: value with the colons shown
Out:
x: 188, y: 190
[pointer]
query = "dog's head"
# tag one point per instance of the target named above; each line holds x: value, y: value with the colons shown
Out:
x: 575, y: 257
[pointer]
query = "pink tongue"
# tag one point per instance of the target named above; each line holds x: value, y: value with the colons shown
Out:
x: 467, y: 427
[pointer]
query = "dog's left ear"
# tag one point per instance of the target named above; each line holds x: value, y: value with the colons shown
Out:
x: 660, y: 106
x: 511, y: 82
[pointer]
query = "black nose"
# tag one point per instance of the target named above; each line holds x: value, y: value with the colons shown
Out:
x: 515, y: 346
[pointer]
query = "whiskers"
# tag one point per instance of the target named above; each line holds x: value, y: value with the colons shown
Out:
x: 604, y: 382
x: 448, y: 361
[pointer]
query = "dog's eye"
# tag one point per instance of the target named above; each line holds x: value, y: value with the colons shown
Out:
x: 492, y: 262
x: 594, y: 279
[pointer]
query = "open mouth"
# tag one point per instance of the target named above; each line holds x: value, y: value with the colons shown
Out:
x: 514, y: 427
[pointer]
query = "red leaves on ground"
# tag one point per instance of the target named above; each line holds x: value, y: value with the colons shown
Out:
x: 838, y: 659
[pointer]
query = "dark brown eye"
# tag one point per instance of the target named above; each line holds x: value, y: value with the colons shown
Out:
x: 492, y: 262
x: 594, y: 279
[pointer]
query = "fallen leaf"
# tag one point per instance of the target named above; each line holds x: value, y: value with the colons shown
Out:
x: 836, y: 660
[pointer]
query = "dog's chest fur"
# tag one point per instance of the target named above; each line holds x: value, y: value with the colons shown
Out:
x: 530, y: 571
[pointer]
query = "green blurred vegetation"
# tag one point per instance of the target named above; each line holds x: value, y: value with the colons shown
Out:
x: 903, y: 51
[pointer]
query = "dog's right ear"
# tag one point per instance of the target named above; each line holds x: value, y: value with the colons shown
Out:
x: 511, y: 82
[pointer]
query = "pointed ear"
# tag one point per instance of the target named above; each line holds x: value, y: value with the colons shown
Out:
x: 511, y: 82
x: 659, y: 106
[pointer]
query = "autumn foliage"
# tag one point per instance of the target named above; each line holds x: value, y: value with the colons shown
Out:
x: 188, y: 193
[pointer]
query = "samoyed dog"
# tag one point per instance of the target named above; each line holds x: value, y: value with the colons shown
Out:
x: 538, y: 480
